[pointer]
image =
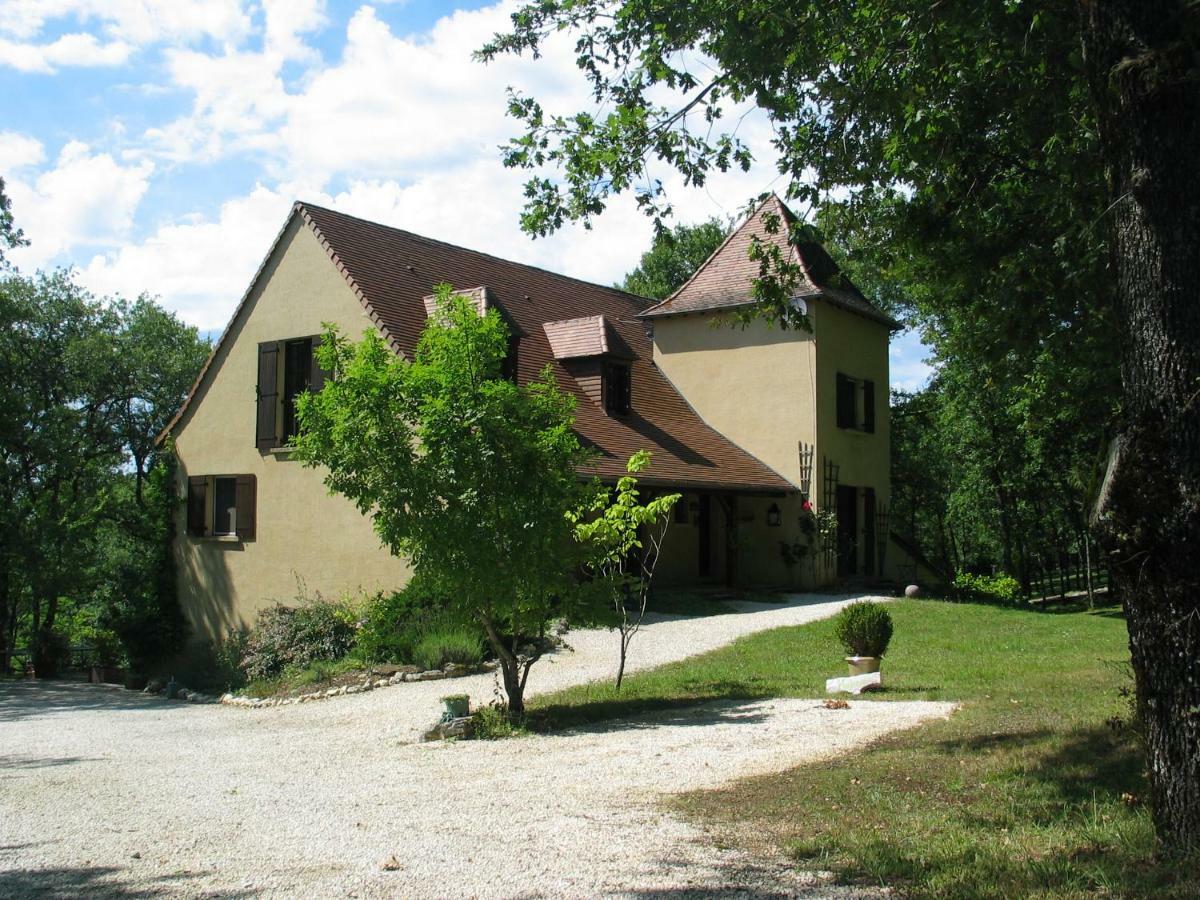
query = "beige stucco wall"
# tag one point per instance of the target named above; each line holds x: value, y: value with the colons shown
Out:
x: 858, y: 347
x: 755, y: 384
x: 767, y: 390
x: 302, y: 532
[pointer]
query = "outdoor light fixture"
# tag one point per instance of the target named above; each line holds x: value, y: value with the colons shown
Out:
x: 774, y: 517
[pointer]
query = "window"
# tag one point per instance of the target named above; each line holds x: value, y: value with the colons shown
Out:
x: 617, y: 389
x: 222, y: 506
x: 286, y: 369
x: 855, y: 403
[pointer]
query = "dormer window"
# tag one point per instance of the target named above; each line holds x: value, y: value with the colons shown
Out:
x: 617, y: 389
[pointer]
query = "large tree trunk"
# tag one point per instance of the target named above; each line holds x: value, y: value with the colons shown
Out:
x: 1141, y: 57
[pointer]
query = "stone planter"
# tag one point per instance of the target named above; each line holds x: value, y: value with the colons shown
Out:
x: 863, y: 665
x: 456, y: 706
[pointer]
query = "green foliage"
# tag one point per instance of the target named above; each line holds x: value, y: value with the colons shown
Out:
x: 84, y: 491
x: 951, y: 156
x: 611, y: 529
x: 448, y: 644
x: 864, y: 628
x: 10, y: 235
x: 296, y: 637
x: 466, y: 474
x: 392, y: 623
x: 993, y: 588
x: 52, y: 653
x: 494, y: 723
x: 673, y: 257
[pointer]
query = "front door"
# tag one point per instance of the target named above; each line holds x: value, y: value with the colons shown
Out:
x: 847, y: 530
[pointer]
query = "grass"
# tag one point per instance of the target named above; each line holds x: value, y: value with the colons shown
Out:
x: 1033, y: 788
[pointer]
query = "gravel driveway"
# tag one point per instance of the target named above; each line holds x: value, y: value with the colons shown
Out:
x: 107, y: 793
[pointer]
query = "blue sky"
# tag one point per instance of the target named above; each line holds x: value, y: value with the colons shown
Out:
x: 157, y: 145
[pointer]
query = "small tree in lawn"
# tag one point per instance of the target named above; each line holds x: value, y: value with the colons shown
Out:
x: 623, y: 538
x: 463, y: 472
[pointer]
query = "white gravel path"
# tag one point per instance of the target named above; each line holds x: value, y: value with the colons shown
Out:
x: 105, y: 793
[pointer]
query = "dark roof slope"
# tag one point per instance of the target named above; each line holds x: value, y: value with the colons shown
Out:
x: 724, y: 280
x: 393, y: 270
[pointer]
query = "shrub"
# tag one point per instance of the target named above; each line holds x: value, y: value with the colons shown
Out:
x: 393, y: 623
x: 448, y: 644
x: 492, y: 723
x: 864, y: 629
x: 297, y: 637
x: 988, y: 588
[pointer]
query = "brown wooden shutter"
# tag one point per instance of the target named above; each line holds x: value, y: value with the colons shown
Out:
x: 247, y: 490
x: 266, y: 432
x: 869, y: 406
x: 317, y: 375
x: 196, y: 496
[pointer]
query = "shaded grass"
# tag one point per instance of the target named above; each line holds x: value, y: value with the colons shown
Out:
x: 1027, y: 791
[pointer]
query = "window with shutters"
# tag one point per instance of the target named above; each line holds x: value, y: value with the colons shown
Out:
x: 286, y: 369
x: 855, y: 403
x: 617, y: 388
x: 222, y: 506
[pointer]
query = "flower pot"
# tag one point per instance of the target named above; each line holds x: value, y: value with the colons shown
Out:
x: 456, y: 707
x: 863, y: 665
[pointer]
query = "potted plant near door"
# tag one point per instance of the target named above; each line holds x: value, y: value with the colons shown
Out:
x: 865, y: 630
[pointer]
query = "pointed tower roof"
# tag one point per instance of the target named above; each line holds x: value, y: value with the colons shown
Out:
x: 725, y: 280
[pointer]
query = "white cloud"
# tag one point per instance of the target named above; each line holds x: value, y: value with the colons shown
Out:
x: 82, y: 50
x: 86, y: 199
x: 199, y: 268
x: 138, y: 22
x: 18, y: 151
x: 407, y: 127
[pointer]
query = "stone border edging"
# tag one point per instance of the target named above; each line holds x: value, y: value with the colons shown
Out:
x: 369, y: 683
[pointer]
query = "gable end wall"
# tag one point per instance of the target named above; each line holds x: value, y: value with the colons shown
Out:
x: 303, y: 533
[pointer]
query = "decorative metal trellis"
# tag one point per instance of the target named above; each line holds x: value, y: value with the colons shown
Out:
x: 807, y: 452
x: 883, y: 525
x: 828, y: 505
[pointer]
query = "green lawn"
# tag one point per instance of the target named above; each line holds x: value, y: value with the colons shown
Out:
x: 1028, y: 790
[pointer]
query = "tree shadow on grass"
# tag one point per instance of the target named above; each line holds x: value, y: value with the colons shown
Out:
x: 71, y: 882
x: 1091, y: 761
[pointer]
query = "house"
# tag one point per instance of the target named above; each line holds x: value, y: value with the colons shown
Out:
x: 751, y: 424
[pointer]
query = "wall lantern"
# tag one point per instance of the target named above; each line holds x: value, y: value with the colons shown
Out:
x: 774, y: 517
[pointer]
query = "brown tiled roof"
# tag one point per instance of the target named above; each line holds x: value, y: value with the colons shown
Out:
x: 724, y: 280
x: 393, y: 271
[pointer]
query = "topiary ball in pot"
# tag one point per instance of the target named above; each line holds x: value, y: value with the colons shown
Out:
x: 865, y: 630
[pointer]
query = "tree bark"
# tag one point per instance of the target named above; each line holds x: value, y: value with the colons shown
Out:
x: 1141, y: 64
x: 510, y: 670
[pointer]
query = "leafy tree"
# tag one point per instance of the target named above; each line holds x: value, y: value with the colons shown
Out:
x: 463, y: 472
x: 623, y: 538
x: 673, y: 257
x: 980, y: 126
x: 86, y: 390
x: 10, y: 235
